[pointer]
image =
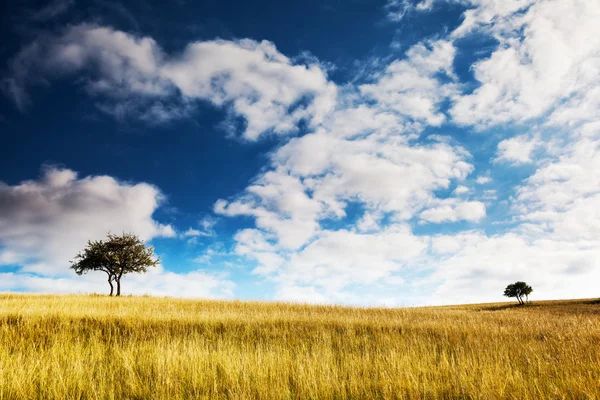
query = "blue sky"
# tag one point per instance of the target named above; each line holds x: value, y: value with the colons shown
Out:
x: 352, y: 152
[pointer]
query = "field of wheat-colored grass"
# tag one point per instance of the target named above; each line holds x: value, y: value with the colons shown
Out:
x: 95, y: 347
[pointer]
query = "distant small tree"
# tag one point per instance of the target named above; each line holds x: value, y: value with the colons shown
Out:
x: 116, y: 256
x: 518, y: 290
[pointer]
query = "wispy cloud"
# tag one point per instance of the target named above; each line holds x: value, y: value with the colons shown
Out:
x: 398, y: 9
x: 52, y: 10
x: 205, y: 228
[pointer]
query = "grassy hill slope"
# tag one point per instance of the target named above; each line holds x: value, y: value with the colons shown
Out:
x: 142, y: 347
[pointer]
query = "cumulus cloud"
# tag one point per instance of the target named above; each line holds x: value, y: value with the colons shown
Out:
x: 554, y: 243
x: 452, y: 211
x: 120, y: 64
x: 461, y: 189
x: 251, y: 79
x: 548, y: 53
x: 541, y: 72
x: 323, y: 270
x: 483, y: 179
x: 341, y: 258
x: 518, y: 149
x: 280, y: 205
x: 451, y: 244
x: 366, y: 154
x: 562, y: 193
x: 412, y: 86
x: 385, y: 175
x: 45, y: 222
x: 483, y: 13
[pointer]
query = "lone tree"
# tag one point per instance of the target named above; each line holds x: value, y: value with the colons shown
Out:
x: 518, y: 290
x: 116, y: 256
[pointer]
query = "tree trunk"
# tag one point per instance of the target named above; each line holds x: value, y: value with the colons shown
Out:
x: 118, y: 286
x: 112, y: 288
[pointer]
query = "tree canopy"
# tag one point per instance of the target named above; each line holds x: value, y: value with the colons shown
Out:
x: 519, y: 290
x: 116, y: 256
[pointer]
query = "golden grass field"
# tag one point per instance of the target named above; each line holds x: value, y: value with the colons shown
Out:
x: 95, y: 347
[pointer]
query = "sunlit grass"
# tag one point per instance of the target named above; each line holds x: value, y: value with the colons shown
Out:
x: 93, y: 347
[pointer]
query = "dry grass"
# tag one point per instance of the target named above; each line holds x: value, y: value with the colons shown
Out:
x: 92, y: 347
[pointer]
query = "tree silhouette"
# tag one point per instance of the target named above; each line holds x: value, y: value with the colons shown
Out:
x: 116, y: 256
x: 519, y: 290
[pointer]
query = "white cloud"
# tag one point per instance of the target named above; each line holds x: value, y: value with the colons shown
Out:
x: 251, y: 79
x: 398, y: 9
x: 367, y: 154
x: 482, y: 180
x: 301, y: 294
x: 518, y: 149
x: 9, y: 257
x: 411, y: 86
x: 157, y: 282
x: 198, y: 283
x: 337, y: 259
x: 452, y: 211
x: 490, y: 194
x: 212, y: 254
x: 370, y: 222
x: 191, y: 232
x: 451, y: 244
x: 460, y: 190
x: 280, y: 205
x: 542, y: 71
x: 253, y: 240
x: 581, y: 107
x: 260, y: 83
x: 563, y: 192
x: 547, y: 54
x: 206, y: 224
x: 46, y: 222
x: 382, y: 174
x: 555, y: 268
x: 489, y: 12
x: 364, y: 152
x: 351, y: 158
